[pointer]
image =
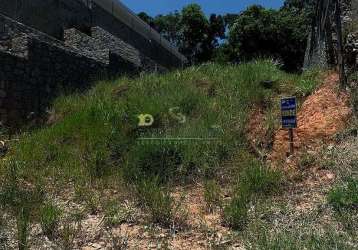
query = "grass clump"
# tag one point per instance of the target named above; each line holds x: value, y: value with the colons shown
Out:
x: 297, y: 240
x: 116, y: 213
x: 345, y: 197
x: 157, y: 201
x: 23, y: 228
x: 255, y: 181
x: 212, y: 194
x: 49, y: 219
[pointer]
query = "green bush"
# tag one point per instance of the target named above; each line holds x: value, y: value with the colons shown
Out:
x: 344, y: 197
x: 49, y: 219
x: 157, y: 201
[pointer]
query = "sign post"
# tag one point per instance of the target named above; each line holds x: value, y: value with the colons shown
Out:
x: 289, y: 118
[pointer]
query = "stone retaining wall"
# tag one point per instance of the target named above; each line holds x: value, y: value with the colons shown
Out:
x: 35, y: 69
x: 38, y: 64
x: 53, y: 16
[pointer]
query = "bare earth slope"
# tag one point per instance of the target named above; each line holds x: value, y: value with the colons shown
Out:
x: 321, y: 116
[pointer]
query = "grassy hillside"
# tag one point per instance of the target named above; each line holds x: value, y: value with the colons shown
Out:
x: 93, y: 142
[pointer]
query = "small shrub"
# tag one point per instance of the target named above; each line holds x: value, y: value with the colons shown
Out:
x: 345, y: 197
x: 49, y: 219
x: 308, y: 83
x: 157, y: 201
x: 255, y: 180
x: 212, y: 194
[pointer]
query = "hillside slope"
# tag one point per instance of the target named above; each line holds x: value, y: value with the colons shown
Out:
x: 159, y: 161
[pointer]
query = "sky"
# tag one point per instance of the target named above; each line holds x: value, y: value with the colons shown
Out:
x: 155, y: 7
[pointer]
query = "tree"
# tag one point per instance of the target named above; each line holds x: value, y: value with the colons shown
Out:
x: 191, y: 31
x: 215, y: 31
x: 195, y: 26
x: 146, y: 18
x: 279, y: 34
x: 169, y: 27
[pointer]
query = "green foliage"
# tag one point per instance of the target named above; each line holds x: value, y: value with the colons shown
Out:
x: 306, y: 160
x: 283, y: 39
x: 157, y: 201
x: 190, y: 30
x: 308, y: 83
x: 67, y: 235
x: 49, y: 219
x: 116, y: 213
x: 297, y: 239
x: 344, y: 197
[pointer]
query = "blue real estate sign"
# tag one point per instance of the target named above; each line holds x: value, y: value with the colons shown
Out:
x: 288, y: 112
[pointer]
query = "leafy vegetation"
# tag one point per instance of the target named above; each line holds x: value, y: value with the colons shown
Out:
x: 241, y: 36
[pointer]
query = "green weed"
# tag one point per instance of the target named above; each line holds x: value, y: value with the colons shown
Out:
x: 49, y: 219
x: 67, y: 236
x: 257, y: 179
x: 306, y: 160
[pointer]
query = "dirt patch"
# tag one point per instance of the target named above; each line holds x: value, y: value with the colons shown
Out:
x: 321, y: 116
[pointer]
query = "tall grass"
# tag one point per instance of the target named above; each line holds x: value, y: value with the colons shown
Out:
x: 96, y: 132
x: 95, y: 135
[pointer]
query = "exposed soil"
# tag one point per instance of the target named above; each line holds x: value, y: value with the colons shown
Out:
x: 321, y: 116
